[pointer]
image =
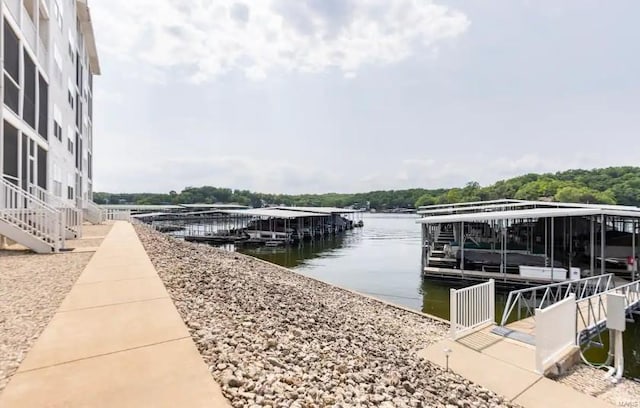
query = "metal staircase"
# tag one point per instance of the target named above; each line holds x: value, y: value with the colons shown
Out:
x: 72, y: 215
x: 437, y: 256
x: 29, y: 221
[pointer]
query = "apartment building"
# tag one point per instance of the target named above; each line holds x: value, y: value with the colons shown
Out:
x: 46, y: 138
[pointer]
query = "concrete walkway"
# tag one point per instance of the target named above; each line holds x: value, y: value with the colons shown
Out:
x: 117, y: 340
x: 506, y: 367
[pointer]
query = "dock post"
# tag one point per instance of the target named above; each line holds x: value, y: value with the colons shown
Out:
x: 634, y: 267
x: 462, y: 240
x: 453, y: 313
x: 602, y: 242
x: 424, y: 249
x: 570, y: 242
x: 592, y: 243
x: 553, y: 236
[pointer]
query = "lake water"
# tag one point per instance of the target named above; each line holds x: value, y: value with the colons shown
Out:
x: 382, y: 259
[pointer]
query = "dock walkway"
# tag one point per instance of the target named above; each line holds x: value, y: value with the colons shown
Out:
x: 506, y: 367
x: 117, y: 340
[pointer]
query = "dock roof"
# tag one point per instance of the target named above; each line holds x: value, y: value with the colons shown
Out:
x: 529, y: 213
x: 275, y: 213
x: 142, y: 207
x: 322, y: 210
x: 216, y: 206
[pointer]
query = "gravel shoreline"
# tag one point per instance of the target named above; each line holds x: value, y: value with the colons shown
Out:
x: 591, y: 381
x: 31, y: 289
x: 272, y: 337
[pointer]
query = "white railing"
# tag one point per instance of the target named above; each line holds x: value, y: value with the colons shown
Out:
x: 28, y: 29
x: 555, y: 332
x: 523, y: 303
x: 592, y: 311
x: 72, y: 215
x: 471, y: 308
x: 117, y: 214
x: 95, y: 214
x: 28, y: 213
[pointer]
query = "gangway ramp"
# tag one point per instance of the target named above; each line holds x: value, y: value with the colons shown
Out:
x: 519, y: 321
x: 505, y: 365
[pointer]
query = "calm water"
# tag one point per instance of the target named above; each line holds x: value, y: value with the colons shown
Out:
x: 383, y: 260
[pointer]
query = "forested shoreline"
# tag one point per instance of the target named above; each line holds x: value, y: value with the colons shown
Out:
x: 612, y: 185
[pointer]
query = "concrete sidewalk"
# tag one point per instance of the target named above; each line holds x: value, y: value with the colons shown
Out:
x: 117, y: 340
x: 506, y: 367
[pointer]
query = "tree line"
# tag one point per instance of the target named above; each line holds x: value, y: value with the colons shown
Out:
x: 612, y: 185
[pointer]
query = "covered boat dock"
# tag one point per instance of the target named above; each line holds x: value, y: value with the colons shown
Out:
x: 528, y: 242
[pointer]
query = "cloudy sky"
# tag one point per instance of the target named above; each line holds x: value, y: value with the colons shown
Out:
x: 343, y: 95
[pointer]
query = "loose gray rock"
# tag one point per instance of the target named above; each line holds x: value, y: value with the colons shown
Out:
x: 276, y: 338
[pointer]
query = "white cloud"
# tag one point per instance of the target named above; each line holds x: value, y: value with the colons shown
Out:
x: 204, y: 39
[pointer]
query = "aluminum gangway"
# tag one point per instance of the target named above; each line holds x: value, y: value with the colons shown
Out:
x: 590, y: 294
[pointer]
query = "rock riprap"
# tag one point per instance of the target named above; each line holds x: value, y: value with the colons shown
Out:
x: 273, y: 337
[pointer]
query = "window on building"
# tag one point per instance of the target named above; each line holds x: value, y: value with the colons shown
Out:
x: 71, y: 100
x: 70, y: 143
x: 57, y: 180
x: 24, y: 161
x: 78, y: 111
x: 89, y: 166
x: 12, y: 69
x: 29, y: 94
x: 78, y: 152
x: 70, y: 184
x: 42, y: 168
x: 43, y: 105
x: 10, y: 151
x: 57, y: 65
x: 57, y: 120
x: 78, y: 71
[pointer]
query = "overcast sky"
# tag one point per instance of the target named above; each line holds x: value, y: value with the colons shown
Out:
x: 342, y: 95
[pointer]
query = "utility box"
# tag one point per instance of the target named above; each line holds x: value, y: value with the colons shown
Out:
x: 574, y: 273
x: 616, y: 315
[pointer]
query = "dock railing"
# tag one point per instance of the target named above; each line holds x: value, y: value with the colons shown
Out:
x: 523, y: 303
x: 117, y: 214
x: 592, y: 310
x: 471, y: 308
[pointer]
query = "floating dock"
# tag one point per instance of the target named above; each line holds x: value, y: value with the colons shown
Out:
x: 271, y: 226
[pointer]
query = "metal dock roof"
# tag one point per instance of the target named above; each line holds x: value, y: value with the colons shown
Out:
x: 275, y: 213
x: 322, y: 210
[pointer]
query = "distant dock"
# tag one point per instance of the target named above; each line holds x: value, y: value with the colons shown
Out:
x: 271, y: 226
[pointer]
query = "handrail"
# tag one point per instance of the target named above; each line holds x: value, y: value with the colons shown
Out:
x: 31, y: 214
x: 73, y: 215
x: 595, y: 313
x: 95, y: 213
x: 543, y: 296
